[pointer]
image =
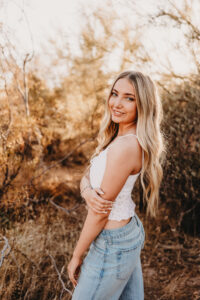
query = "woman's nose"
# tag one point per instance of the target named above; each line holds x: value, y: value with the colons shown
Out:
x: 117, y: 102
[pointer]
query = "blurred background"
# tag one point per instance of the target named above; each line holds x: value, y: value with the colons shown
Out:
x: 57, y: 61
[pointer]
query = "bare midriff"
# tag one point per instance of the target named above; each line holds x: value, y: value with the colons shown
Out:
x: 111, y: 224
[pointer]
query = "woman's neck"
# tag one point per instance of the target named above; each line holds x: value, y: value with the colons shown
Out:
x: 126, y: 130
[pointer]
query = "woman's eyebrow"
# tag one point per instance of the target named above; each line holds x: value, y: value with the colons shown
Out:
x: 124, y: 93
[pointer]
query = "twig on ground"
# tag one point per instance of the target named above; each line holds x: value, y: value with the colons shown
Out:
x: 67, y: 211
x: 5, y: 247
x: 171, y: 247
x: 60, y: 277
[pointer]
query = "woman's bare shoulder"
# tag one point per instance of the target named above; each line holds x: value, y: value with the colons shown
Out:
x: 125, y: 145
x: 126, y: 149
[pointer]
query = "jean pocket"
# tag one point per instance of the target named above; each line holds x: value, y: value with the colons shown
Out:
x: 93, y: 262
x: 126, y: 261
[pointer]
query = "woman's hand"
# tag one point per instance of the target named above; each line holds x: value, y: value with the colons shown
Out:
x: 95, y: 202
x: 73, y: 269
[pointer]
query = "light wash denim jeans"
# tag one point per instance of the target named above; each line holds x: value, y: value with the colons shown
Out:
x: 112, y: 268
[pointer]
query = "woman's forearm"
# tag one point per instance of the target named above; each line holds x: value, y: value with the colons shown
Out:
x: 93, y: 225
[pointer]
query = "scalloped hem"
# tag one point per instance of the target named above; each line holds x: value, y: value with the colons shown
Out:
x: 114, y: 218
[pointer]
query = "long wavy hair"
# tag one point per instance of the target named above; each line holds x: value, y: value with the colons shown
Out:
x: 148, y: 131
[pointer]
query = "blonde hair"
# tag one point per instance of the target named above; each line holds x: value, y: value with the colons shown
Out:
x: 150, y: 137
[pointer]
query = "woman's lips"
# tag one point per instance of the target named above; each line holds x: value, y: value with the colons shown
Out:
x: 117, y: 113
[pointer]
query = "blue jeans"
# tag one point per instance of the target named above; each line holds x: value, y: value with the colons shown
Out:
x: 112, y: 268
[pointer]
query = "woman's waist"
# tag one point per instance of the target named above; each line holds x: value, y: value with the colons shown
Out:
x: 111, y: 224
x: 120, y: 232
x: 118, y: 218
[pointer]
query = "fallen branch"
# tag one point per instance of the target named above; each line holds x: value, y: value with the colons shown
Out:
x: 61, y: 160
x: 60, y: 277
x: 67, y: 211
x: 5, y: 247
x: 171, y: 247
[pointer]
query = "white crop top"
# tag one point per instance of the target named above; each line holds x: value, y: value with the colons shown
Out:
x: 123, y: 206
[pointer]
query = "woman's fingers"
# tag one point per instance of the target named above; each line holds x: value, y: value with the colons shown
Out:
x: 74, y: 282
x: 72, y: 277
x: 103, y: 203
x: 73, y: 269
x: 100, y: 211
x: 99, y: 191
x: 99, y: 204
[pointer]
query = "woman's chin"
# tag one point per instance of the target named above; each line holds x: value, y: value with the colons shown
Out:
x: 116, y: 119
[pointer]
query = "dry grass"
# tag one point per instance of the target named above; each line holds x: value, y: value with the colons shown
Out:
x: 28, y: 272
x: 171, y: 261
x: 41, y: 249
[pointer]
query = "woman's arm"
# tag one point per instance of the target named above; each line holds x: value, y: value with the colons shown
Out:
x: 92, y: 196
x: 93, y: 225
x: 116, y: 173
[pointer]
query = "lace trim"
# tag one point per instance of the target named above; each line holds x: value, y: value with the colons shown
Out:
x: 122, y: 210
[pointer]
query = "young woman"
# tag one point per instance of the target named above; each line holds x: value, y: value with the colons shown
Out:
x: 130, y: 143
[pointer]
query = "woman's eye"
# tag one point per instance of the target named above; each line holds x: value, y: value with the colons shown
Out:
x: 129, y: 98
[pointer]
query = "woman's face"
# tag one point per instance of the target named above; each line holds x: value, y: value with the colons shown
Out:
x: 122, y: 102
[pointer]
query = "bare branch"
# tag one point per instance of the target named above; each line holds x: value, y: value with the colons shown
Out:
x: 184, y: 18
x: 9, y: 179
x: 27, y: 59
x: 5, y: 134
